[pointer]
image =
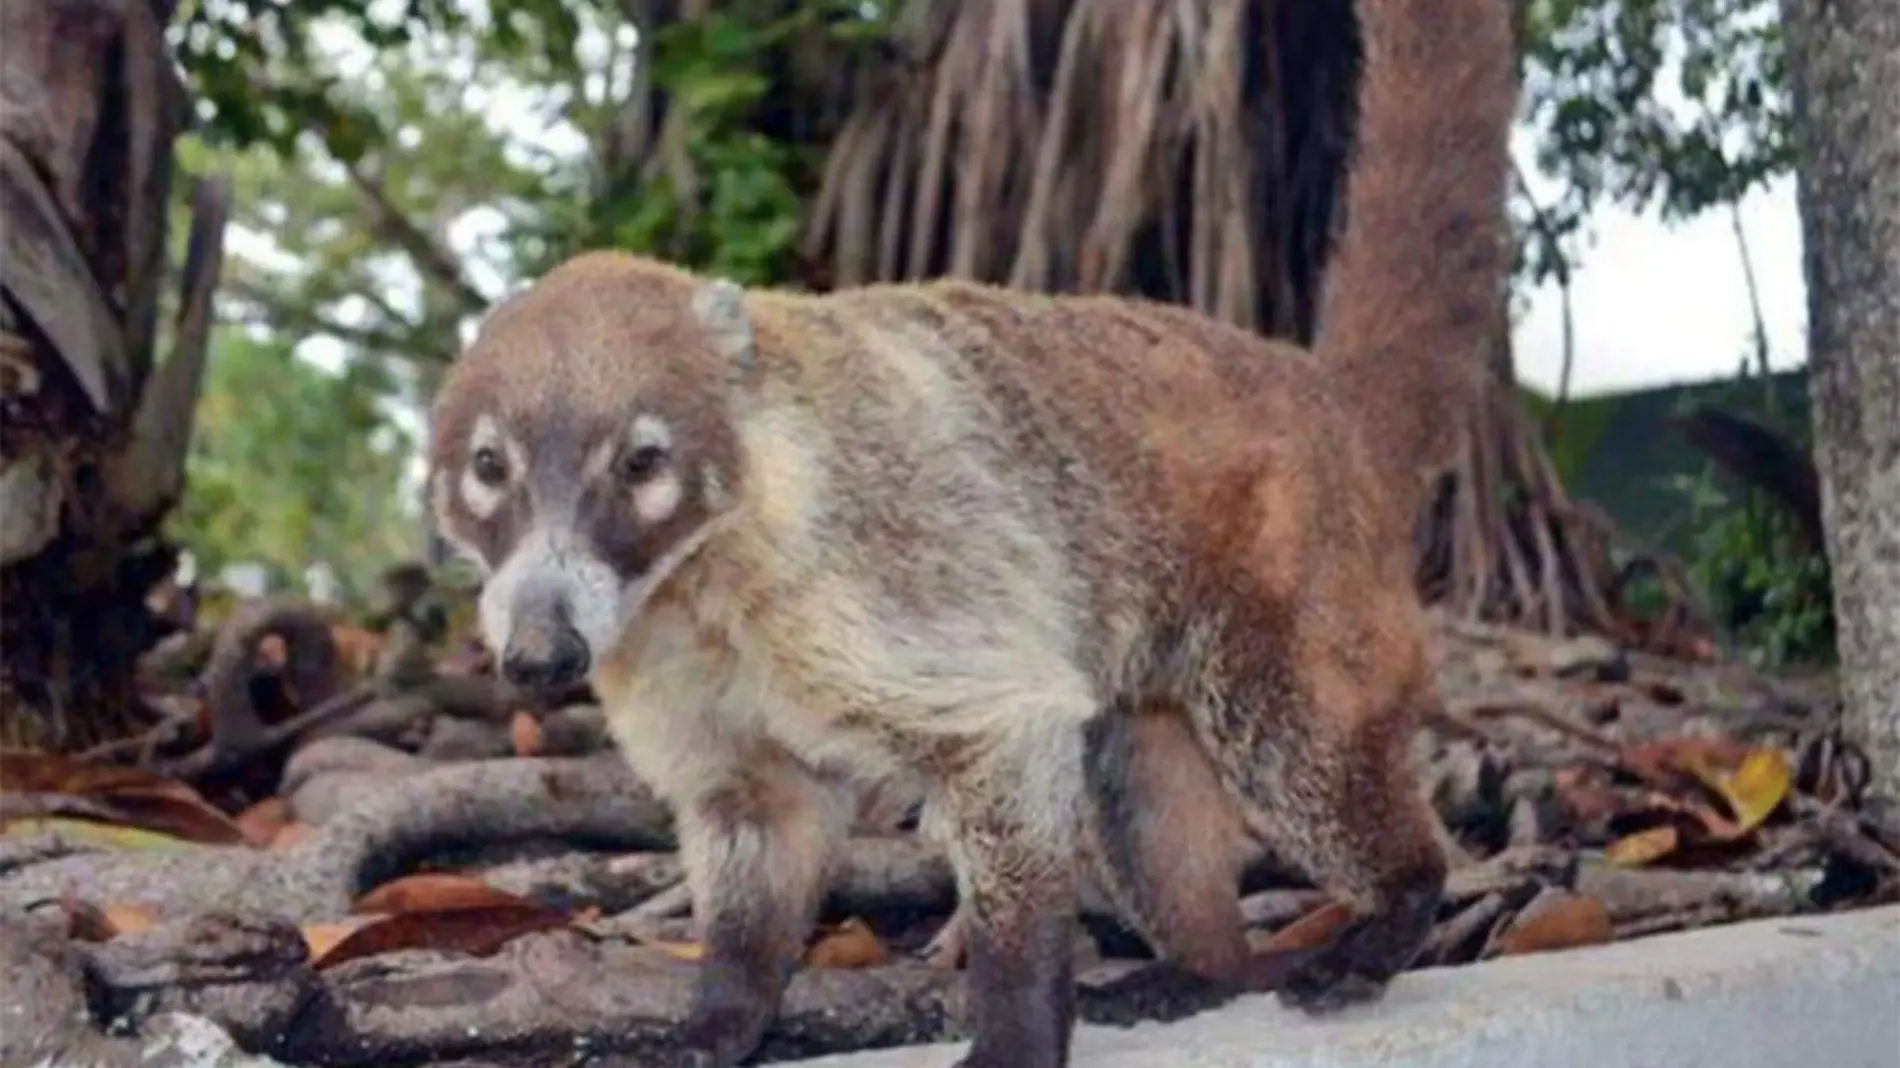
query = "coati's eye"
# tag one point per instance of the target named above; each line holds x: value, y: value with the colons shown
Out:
x: 638, y: 465
x: 488, y: 466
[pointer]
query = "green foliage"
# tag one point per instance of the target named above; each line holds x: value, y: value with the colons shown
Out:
x: 400, y: 164
x: 291, y: 465
x: 1679, y: 106
x: 1775, y: 595
x: 224, y: 45
x: 1612, y: 125
x: 1574, y: 433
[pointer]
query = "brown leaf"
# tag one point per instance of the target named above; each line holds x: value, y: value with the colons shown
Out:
x: 1752, y: 788
x: 434, y: 892
x: 139, y: 799
x: 289, y: 835
x: 1643, y: 847
x: 357, y: 649
x: 849, y: 945
x: 1315, y: 929
x: 86, y: 921
x: 526, y: 732
x: 1664, y: 763
x: 262, y: 822
x: 92, y: 923
x: 1557, y: 920
x: 478, y: 931
x: 131, y: 919
x: 324, y: 937
x: 181, y: 815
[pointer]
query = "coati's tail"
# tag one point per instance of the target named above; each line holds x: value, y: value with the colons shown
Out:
x: 1413, y: 286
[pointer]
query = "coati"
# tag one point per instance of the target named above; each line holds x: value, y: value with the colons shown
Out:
x: 1097, y: 569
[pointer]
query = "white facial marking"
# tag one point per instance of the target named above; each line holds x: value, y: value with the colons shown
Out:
x: 715, y: 487
x: 439, y: 500
x: 650, y: 430
x: 482, y: 499
x: 656, y: 501
x: 585, y: 583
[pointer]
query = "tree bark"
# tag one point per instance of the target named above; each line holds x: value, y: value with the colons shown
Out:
x: 92, y: 449
x: 1844, y: 73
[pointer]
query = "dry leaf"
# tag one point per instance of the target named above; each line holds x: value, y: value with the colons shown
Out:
x: 478, y: 931
x: 1315, y: 929
x: 1643, y: 847
x: 131, y: 919
x: 91, y: 923
x: 526, y: 732
x: 356, y: 648
x: 1663, y: 763
x: 851, y: 944
x: 137, y: 798
x: 434, y: 892
x: 85, y: 921
x: 1752, y: 789
x: 1557, y: 920
x: 681, y: 950
x: 262, y: 822
x: 92, y: 832
x: 289, y: 835
x: 324, y: 937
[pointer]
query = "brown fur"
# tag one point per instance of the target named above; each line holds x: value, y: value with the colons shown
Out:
x: 1094, y: 569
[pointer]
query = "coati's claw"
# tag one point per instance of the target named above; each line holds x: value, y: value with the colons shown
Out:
x: 976, y: 1060
x: 945, y: 948
x: 1318, y: 990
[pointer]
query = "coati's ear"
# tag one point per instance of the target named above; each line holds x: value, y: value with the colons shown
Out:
x: 720, y: 307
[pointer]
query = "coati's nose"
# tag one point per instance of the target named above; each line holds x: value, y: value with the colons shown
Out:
x: 545, y: 653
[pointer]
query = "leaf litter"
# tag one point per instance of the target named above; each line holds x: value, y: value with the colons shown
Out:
x: 417, y: 833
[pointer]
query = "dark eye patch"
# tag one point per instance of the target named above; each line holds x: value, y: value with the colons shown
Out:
x: 639, y: 464
x: 488, y: 466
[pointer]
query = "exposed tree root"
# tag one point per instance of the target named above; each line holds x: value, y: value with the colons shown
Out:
x: 593, y: 800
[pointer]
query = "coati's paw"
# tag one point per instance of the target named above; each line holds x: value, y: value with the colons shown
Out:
x: 1360, y: 964
x: 721, y: 1031
x: 1324, y: 986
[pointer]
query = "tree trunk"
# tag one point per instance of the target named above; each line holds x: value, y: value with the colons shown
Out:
x: 1844, y: 67
x: 93, y: 447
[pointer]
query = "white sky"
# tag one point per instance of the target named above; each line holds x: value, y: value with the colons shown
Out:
x: 1653, y: 304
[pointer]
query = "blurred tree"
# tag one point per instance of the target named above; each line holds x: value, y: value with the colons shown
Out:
x: 293, y: 465
x: 93, y: 443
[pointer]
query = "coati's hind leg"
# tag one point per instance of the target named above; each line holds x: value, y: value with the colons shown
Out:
x: 1334, y: 785
x: 1166, y: 840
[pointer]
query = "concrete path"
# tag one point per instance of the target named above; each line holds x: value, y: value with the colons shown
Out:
x: 1808, y: 992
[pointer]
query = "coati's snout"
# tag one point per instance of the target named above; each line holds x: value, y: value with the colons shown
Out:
x: 543, y: 652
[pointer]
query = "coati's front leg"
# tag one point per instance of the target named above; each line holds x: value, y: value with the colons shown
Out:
x: 757, y: 846
x: 1010, y: 814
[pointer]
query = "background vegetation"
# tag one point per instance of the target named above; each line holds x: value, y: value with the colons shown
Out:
x: 400, y: 164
